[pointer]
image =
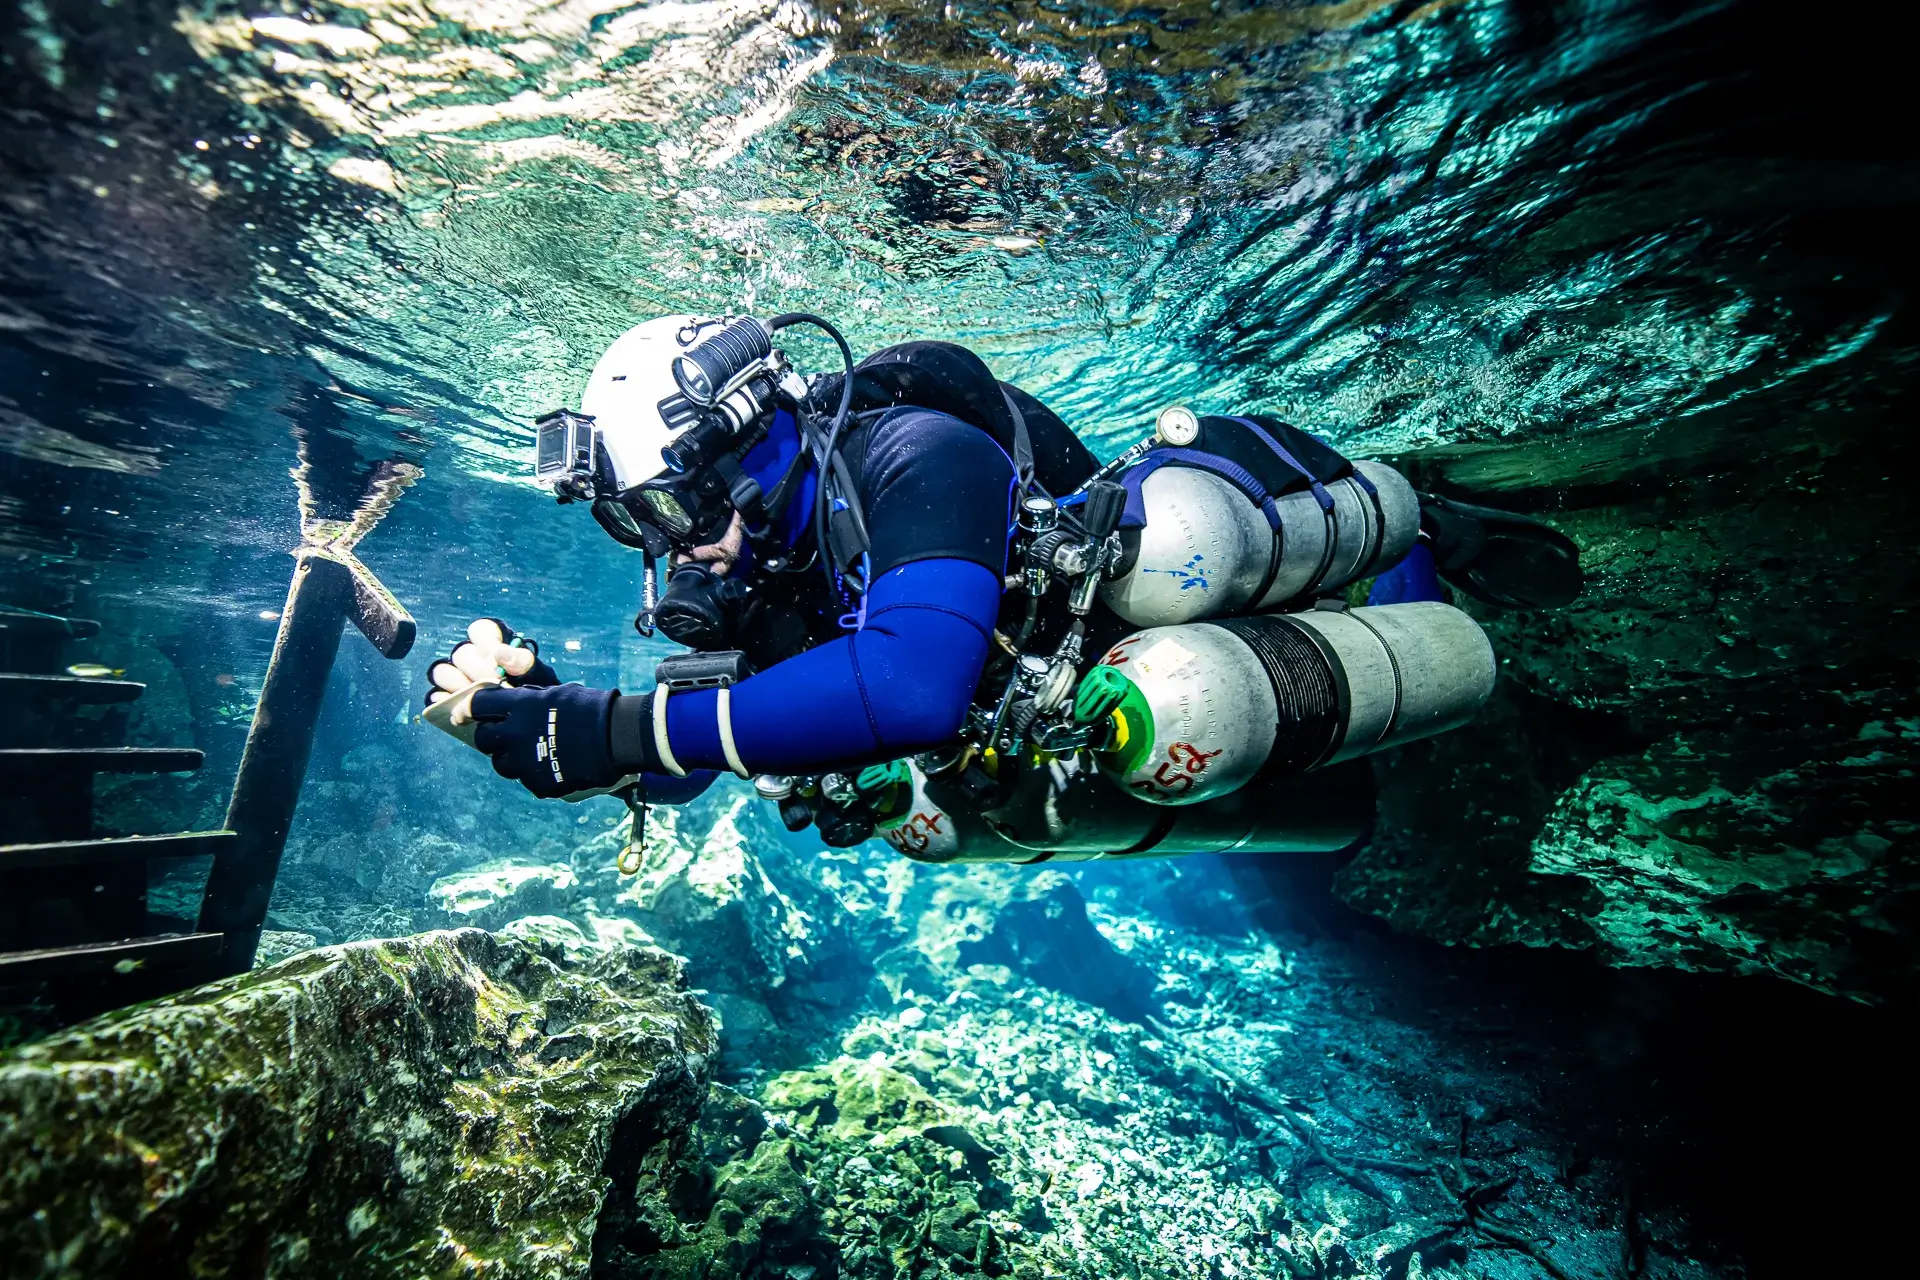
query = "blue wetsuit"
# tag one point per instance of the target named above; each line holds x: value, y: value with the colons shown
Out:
x: 937, y: 494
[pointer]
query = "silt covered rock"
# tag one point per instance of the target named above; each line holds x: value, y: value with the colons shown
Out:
x: 490, y: 895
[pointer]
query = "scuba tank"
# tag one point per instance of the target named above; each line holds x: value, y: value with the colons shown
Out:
x: 1216, y: 729
x: 1240, y: 515
x: 1205, y: 707
x: 1206, y: 551
x: 1327, y: 812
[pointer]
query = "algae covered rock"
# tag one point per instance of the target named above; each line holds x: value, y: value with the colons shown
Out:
x: 1707, y: 761
x: 740, y: 1203
x: 452, y: 1103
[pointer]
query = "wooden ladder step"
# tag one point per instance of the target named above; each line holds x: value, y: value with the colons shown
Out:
x: 88, y: 690
x: 108, y: 959
x: 73, y: 853
x: 41, y: 626
x: 29, y: 762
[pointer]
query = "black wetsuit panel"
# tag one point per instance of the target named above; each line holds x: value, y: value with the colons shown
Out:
x: 934, y: 487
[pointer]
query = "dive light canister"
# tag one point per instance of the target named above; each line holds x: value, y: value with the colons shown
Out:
x: 1210, y: 705
x: 1207, y: 551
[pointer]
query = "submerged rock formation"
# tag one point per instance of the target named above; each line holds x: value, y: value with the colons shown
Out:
x: 490, y: 895
x: 1706, y: 762
x: 453, y: 1103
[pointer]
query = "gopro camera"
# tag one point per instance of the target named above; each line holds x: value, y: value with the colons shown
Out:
x: 563, y: 454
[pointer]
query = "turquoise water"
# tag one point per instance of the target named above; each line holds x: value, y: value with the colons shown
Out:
x: 1644, y: 267
x: 1619, y: 232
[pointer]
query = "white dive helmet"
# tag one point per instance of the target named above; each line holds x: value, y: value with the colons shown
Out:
x: 623, y: 396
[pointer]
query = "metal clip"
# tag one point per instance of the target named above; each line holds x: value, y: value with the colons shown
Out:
x: 628, y: 863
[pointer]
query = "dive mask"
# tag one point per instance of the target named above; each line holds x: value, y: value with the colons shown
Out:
x: 694, y: 394
x: 686, y: 505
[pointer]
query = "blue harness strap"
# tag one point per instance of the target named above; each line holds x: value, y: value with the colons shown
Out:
x: 1320, y: 493
x: 1135, y: 514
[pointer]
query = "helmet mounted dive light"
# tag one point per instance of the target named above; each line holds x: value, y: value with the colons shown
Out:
x: 698, y: 395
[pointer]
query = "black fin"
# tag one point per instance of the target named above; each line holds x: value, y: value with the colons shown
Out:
x: 1500, y: 558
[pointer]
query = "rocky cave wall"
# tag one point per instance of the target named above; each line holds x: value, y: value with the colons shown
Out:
x: 918, y: 1072
x: 1706, y: 762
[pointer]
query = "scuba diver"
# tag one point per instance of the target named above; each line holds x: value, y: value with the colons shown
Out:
x: 916, y: 604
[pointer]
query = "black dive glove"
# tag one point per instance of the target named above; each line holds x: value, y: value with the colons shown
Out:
x: 554, y: 740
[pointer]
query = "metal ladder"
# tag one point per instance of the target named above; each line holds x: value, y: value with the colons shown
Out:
x: 76, y: 932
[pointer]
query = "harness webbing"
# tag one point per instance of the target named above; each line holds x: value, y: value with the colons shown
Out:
x: 1135, y: 514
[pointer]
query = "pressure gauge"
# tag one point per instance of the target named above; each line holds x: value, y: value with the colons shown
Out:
x: 1177, y: 426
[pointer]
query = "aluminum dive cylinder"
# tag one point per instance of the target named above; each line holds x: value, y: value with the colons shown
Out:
x: 1209, y: 705
x: 1322, y: 813
x: 1207, y: 551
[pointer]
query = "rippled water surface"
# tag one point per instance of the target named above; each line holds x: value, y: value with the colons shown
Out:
x: 1619, y: 232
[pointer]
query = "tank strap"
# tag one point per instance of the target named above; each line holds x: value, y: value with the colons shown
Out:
x: 1135, y: 514
x: 1367, y: 487
x: 1320, y: 493
x: 1022, y: 445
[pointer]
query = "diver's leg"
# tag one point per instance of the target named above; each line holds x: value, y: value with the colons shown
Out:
x: 1414, y: 578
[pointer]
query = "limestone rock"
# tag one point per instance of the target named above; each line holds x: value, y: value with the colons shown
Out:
x: 717, y: 886
x: 743, y: 1208
x: 277, y: 944
x: 492, y: 894
x: 710, y: 899
x: 450, y: 1103
x: 858, y: 1100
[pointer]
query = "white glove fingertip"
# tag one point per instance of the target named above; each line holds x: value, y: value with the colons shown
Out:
x: 485, y: 632
x: 515, y: 662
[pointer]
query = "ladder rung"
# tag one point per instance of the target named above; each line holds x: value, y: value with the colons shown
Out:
x: 33, y: 761
x: 124, y: 958
x: 69, y: 853
x: 83, y: 689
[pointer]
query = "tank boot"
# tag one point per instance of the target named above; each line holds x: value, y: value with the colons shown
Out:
x: 1500, y: 558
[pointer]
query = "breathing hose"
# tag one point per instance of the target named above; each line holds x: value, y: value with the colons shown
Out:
x: 824, y: 454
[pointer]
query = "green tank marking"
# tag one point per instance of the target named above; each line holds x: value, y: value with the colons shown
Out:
x: 1101, y: 690
x: 1104, y: 691
x: 888, y: 791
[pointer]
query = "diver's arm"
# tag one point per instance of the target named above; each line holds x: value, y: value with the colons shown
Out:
x: 937, y: 494
x: 664, y: 788
x: 899, y: 685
